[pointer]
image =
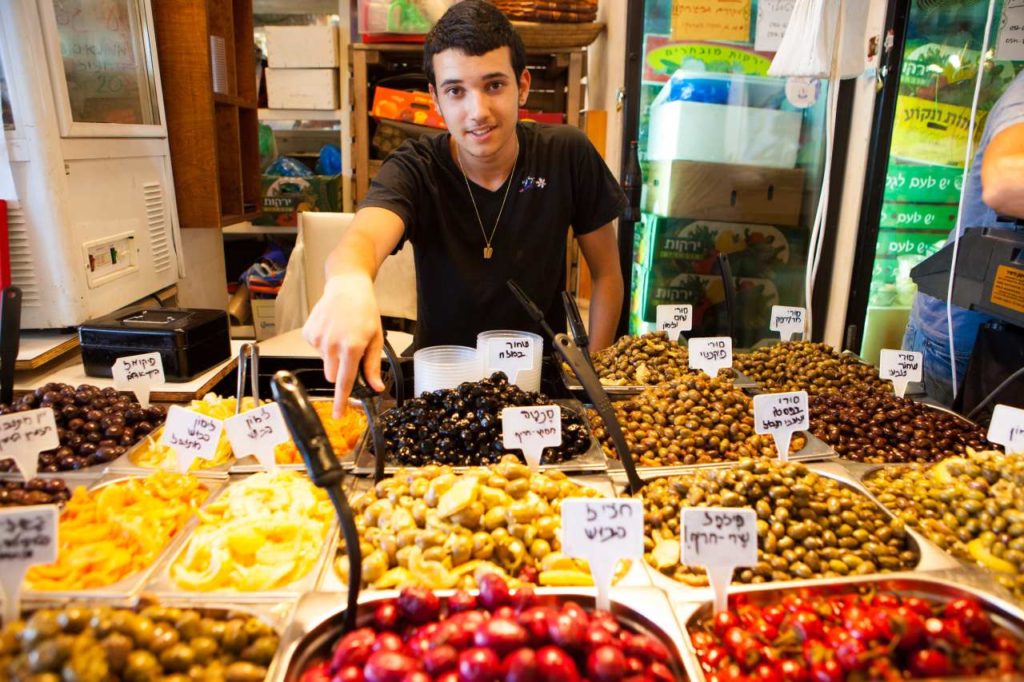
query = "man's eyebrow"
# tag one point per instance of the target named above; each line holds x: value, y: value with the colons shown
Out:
x: 488, y: 77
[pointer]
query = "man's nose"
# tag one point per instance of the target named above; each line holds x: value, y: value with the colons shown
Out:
x: 477, y: 105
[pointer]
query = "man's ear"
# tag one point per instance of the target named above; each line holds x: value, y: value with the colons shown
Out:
x: 524, y: 87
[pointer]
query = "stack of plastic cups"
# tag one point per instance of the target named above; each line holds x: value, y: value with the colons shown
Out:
x: 440, y: 367
x: 528, y: 378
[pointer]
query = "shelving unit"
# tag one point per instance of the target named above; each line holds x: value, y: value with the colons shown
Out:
x: 213, y: 136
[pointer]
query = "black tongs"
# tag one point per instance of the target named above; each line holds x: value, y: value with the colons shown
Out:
x: 574, y: 357
x: 370, y: 400
x: 576, y: 326
x: 324, y: 470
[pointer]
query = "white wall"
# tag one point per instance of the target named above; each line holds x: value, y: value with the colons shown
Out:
x: 606, y: 65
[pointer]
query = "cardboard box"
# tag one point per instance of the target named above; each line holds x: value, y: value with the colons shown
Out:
x: 724, y: 192
x: 282, y: 199
x: 727, y: 134
x: 291, y: 47
x: 410, y: 107
x: 263, y: 323
x: 302, y: 88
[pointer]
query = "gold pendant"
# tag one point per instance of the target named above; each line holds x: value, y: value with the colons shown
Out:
x: 488, y: 252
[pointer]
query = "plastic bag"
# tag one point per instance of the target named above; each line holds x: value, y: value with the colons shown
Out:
x: 287, y: 167
x: 329, y: 162
x: 806, y: 47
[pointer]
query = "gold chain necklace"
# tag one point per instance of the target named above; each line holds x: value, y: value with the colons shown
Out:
x: 488, y: 251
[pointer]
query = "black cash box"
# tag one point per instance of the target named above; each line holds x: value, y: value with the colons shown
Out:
x: 190, y: 341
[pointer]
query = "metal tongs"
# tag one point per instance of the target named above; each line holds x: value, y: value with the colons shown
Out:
x: 324, y: 470
x: 576, y: 326
x: 10, y: 335
x: 248, y: 363
x: 575, y: 358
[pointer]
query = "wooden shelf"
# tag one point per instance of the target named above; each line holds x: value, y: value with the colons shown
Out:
x: 300, y: 114
x: 213, y: 137
x: 247, y: 228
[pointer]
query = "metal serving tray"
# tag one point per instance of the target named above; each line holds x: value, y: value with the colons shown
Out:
x: 318, y: 618
x: 128, y: 587
x: 815, y: 450
x: 635, y: 577
x: 940, y: 587
x: 931, y: 556
x: 573, y: 385
x: 591, y: 460
x: 126, y: 462
x: 163, y: 586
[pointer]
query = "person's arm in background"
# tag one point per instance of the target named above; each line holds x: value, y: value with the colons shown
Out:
x: 1002, y: 172
x: 601, y: 251
x: 344, y: 325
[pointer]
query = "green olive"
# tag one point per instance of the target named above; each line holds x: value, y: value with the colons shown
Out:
x: 243, y: 671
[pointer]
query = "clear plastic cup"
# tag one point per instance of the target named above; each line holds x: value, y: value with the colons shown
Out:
x: 440, y: 367
x: 528, y: 378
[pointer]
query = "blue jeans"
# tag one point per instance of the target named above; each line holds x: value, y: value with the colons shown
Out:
x: 938, y: 380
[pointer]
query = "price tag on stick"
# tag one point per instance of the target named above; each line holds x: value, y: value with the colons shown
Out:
x: 531, y: 429
x: 190, y: 435
x: 710, y: 354
x: 23, y: 435
x: 28, y: 536
x: 675, y: 319
x: 900, y: 367
x: 258, y: 432
x: 788, y: 321
x: 138, y: 374
x: 719, y: 539
x: 510, y: 356
x: 782, y: 415
x: 1007, y: 428
x: 603, y: 532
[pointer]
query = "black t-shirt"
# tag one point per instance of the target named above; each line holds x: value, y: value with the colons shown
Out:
x: 559, y: 181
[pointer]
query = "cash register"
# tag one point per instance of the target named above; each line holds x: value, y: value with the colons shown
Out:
x: 989, y: 278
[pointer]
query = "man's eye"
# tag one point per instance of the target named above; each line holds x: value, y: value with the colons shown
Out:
x: 454, y: 92
x: 495, y: 86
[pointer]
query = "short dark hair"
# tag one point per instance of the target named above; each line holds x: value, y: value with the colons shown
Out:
x: 474, y: 27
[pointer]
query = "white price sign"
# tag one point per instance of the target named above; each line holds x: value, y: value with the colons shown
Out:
x: 257, y: 432
x: 23, y: 435
x: 138, y: 374
x: 900, y: 367
x: 772, y: 18
x: 781, y: 415
x: 710, y: 354
x: 1007, y: 428
x: 674, y: 319
x: 28, y: 536
x: 603, y: 532
x: 190, y: 435
x: 510, y: 356
x: 719, y: 539
x: 787, y: 321
x: 531, y: 429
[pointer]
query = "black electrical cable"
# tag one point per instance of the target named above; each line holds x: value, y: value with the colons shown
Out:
x: 998, y: 389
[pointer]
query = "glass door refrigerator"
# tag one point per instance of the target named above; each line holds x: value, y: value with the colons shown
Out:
x: 914, y: 176
x: 732, y: 162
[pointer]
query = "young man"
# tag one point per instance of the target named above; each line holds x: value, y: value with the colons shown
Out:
x: 491, y: 200
x: 995, y: 188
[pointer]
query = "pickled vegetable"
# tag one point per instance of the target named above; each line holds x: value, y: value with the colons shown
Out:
x: 117, y: 530
x: 343, y: 433
x: 263, y: 533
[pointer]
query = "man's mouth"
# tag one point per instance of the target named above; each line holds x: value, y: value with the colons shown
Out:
x: 481, y: 132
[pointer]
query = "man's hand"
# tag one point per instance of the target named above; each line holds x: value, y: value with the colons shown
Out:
x: 344, y: 327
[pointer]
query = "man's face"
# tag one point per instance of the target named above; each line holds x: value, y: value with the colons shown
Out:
x: 479, y: 98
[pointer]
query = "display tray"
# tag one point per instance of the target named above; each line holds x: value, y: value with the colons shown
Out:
x: 317, y: 623
x: 249, y: 465
x: 935, y: 587
x: 130, y: 586
x: 930, y: 557
x: 635, y: 577
x: 162, y: 584
x: 128, y: 462
x: 591, y: 460
x: 815, y: 450
x: 573, y: 385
